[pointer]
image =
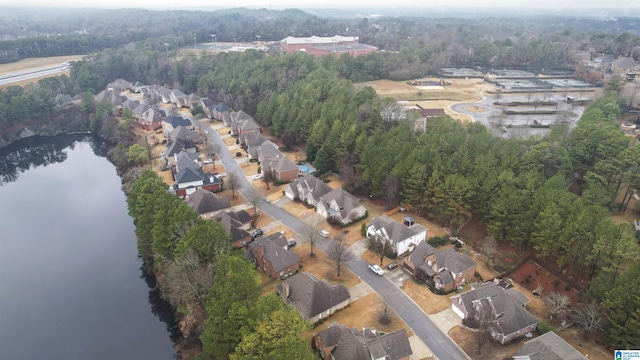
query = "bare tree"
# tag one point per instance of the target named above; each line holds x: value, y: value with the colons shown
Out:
x: 481, y: 328
x: 233, y: 181
x: 391, y: 188
x: 212, y: 150
x: 338, y: 254
x: 268, y: 176
x: 385, y: 308
x: 311, y: 232
x: 589, y: 318
x: 254, y: 199
x: 391, y: 112
x: 489, y: 248
x: 188, y: 279
x: 558, y: 302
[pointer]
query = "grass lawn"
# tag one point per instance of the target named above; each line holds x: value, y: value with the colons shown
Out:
x: 320, y: 267
x: 428, y: 301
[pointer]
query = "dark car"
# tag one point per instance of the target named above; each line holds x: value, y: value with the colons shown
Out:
x: 256, y: 233
x: 392, y: 266
x: 291, y: 243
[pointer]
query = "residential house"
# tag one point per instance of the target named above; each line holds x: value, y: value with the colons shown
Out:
x: 446, y: 269
x: 136, y: 87
x: 254, y: 138
x: 175, y: 146
x: 268, y: 151
x: 183, y: 133
x: 207, y: 203
x: 218, y: 111
x: 237, y: 225
x: 130, y: 104
x: 193, y: 100
x: 172, y: 122
x: 626, y: 67
x: 548, y: 346
x: 307, y: 188
x: 270, y: 255
x: 420, y: 124
x: 401, y: 237
x: 314, y: 299
x: 509, y: 318
x: 248, y: 126
x: 110, y: 96
x: 178, y: 98
x: 151, y: 120
x: 188, y: 180
x: 119, y: 85
x: 139, y: 111
x: 338, y: 342
x: 340, y: 206
x: 183, y: 160
x: 282, y: 168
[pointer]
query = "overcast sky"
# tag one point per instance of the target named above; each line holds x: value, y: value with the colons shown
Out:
x: 281, y: 4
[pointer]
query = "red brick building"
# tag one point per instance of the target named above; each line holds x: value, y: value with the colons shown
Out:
x: 319, y: 46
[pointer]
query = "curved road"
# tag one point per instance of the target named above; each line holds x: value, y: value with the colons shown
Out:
x: 440, y: 344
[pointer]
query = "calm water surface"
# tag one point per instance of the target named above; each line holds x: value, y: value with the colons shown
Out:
x: 71, y: 286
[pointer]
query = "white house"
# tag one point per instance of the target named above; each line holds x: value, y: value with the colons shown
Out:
x: 402, y: 237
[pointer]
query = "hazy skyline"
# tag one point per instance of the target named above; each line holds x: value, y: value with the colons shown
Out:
x: 360, y: 4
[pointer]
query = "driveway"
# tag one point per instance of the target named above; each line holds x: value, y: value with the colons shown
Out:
x: 421, y: 325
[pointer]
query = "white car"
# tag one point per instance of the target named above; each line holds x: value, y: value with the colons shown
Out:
x: 221, y: 175
x: 208, y: 161
x: 206, y: 132
x: 256, y: 177
x: 376, y: 269
x: 324, y: 233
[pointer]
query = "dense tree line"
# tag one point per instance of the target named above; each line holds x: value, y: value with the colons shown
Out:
x: 216, y: 291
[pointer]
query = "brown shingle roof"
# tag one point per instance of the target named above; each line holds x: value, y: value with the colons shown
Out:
x: 367, y: 344
x: 311, y: 296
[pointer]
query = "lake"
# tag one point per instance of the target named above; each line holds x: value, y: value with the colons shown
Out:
x: 71, y: 284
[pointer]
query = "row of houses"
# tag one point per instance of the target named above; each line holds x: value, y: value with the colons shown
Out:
x: 333, y: 204
x: 625, y: 66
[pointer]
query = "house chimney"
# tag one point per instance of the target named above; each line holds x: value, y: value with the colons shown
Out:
x: 285, y: 290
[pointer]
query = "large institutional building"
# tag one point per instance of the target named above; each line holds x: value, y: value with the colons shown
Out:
x: 319, y: 46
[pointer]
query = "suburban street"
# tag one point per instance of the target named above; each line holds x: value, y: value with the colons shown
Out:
x: 10, y: 78
x: 441, y: 345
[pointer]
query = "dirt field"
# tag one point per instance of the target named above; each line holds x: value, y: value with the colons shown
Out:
x: 30, y: 63
x: 530, y: 274
x: 460, y: 90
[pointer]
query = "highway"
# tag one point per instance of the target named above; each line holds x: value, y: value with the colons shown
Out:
x: 28, y: 74
x: 441, y: 345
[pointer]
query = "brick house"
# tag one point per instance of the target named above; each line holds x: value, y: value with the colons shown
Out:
x: 271, y: 256
x: 510, y: 318
x: 337, y: 342
x: 314, y: 299
x: 446, y: 269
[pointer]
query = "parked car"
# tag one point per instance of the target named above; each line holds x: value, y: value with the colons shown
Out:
x: 256, y: 233
x: 208, y: 161
x: 392, y: 266
x: 376, y: 269
x: 291, y: 243
x: 324, y: 233
x: 206, y: 132
x: 221, y: 175
x: 256, y: 176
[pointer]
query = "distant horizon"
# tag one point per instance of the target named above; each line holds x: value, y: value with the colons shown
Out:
x: 367, y: 8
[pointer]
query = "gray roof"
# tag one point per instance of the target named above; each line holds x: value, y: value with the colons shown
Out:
x: 343, y: 199
x: 184, y: 160
x: 248, y: 125
x: 396, y: 231
x: 311, y: 296
x: 178, y: 93
x: 549, y: 346
x: 309, y: 184
x: 232, y: 226
x: 353, y: 344
x: 625, y: 63
x: 345, y: 47
x: 453, y: 260
x: 188, y: 175
x: 182, y: 133
x: 175, y: 146
x: 204, y: 201
x: 283, y: 164
x: 421, y: 251
x: 119, y: 85
x: 268, y: 150
x: 176, y: 121
x: 241, y: 215
x: 274, y: 251
x: 140, y: 109
x: 510, y: 315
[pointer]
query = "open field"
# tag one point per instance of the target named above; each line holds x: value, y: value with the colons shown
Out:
x: 460, y: 90
x: 30, y: 63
